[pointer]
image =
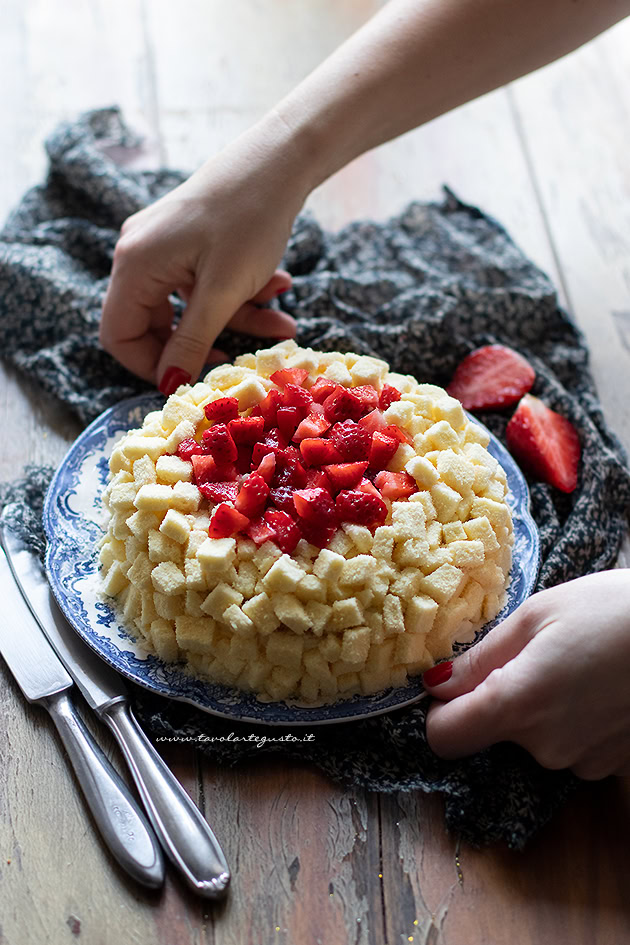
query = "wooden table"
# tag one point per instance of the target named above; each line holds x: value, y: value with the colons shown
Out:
x: 550, y: 157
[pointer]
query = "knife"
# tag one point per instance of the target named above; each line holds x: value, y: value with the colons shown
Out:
x: 186, y: 837
x: 42, y: 678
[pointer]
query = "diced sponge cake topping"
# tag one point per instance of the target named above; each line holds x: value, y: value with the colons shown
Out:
x: 306, y: 525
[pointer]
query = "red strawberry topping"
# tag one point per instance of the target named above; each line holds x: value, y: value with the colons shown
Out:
x: 343, y: 405
x: 219, y: 491
x: 345, y: 475
x: 287, y: 419
x: 222, y: 410
x: 368, y: 396
x: 315, y: 505
x: 361, y: 508
x: 246, y: 429
x: 188, y: 448
x: 491, y: 376
x: 226, y: 521
x: 296, y: 376
x: 317, y: 452
x: 352, y: 441
x: 252, y: 497
x: 546, y: 443
x: 373, y: 421
x: 396, y: 485
x: 286, y: 531
x: 268, y: 407
x: 312, y: 426
x: 323, y: 388
x: 267, y: 467
x: 205, y: 469
x: 219, y: 443
x: 382, y: 450
x: 260, y: 531
x: 388, y: 395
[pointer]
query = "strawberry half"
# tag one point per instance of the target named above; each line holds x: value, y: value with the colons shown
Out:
x: 544, y: 442
x: 491, y: 377
x: 222, y: 410
x: 226, y: 521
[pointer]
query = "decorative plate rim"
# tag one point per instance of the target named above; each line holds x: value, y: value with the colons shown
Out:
x: 72, y: 509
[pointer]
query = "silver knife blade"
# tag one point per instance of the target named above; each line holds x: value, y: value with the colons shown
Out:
x: 100, y: 685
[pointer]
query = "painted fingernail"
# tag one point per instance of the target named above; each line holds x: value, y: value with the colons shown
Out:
x: 438, y: 674
x: 171, y: 379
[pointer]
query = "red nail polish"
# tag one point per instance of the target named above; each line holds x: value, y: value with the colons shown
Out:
x: 171, y: 379
x: 438, y: 674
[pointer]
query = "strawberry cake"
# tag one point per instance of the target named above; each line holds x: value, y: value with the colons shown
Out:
x: 306, y: 526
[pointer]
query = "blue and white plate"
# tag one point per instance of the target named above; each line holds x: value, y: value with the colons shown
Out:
x: 74, y: 522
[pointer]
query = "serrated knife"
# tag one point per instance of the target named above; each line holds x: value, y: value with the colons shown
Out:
x: 184, y: 834
x: 42, y: 678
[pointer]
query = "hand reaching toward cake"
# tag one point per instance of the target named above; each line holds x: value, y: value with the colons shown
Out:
x: 553, y: 677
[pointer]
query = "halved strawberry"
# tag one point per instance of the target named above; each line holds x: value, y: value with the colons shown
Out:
x: 260, y: 531
x: 492, y: 376
x: 252, y: 496
x: 188, y: 448
x: 287, y: 419
x: 268, y: 407
x: 368, y: 396
x: 318, y: 452
x: 360, y: 508
x: 345, y: 475
x: 312, y: 426
x: 246, y: 429
x: 267, y: 467
x: 352, y: 441
x: 372, y: 421
x: 226, y: 521
x: 544, y: 442
x: 219, y: 491
x: 222, y: 410
x: 395, y: 485
x: 219, y: 443
x: 315, y: 505
x: 323, y: 388
x: 296, y: 376
x: 287, y: 532
x: 382, y: 450
x: 343, y: 405
x: 388, y: 396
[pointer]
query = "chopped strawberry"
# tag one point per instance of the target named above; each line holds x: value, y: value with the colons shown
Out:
x: 247, y: 429
x: 366, y: 486
x: 226, y: 521
x: 368, y: 396
x: 382, y: 450
x: 267, y: 467
x: 219, y: 491
x: 296, y: 376
x: 312, y: 426
x: 287, y: 419
x: 273, y: 442
x: 318, y: 452
x: 260, y: 531
x: 360, y: 508
x: 268, y: 407
x: 252, y: 496
x: 352, y: 441
x: 343, y: 405
x: 323, y: 388
x: 206, y: 470
x: 317, y: 479
x: 188, y: 448
x: 316, y: 533
x: 294, y: 396
x: 373, y: 421
x: 490, y: 377
x: 395, y: 485
x: 282, y: 498
x: 388, y: 395
x: 219, y: 443
x: 315, y: 505
x: 394, y: 431
x: 289, y: 472
x: 345, y: 475
x: 222, y: 410
x: 287, y: 532
x: 545, y: 442
x: 244, y: 458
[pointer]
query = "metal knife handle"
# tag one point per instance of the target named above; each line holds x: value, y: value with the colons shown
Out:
x: 183, y: 832
x: 117, y: 815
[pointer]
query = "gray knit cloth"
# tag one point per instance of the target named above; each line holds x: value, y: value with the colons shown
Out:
x: 421, y: 291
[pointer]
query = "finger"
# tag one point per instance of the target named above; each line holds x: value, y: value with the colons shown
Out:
x: 263, y: 322
x: 471, y: 722
x: 279, y: 283
x: 497, y: 648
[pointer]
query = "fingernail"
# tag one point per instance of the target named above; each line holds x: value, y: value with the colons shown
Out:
x: 438, y: 674
x: 171, y: 379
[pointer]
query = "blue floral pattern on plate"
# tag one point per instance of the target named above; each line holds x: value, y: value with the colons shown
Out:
x: 74, y: 521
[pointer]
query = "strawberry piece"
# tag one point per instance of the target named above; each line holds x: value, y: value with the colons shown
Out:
x: 343, y: 405
x: 312, y: 426
x: 315, y: 505
x: 268, y: 407
x: 366, y: 486
x: 290, y: 473
x: 188, y: 448
x: 295, y: 376
x: 317, y: 479
x: 282, y: 498
x: 352, y: 441
x: 545, y: 442
x: 382, y: 450
x: 361, y: 508
x: 252, y: 496
x: 273, y: 442
x: 368, y: 396
x: 246, y: 429
x: 490, y: 377
x: 345, y: 475
x: 219, y: 491
x: 287, y: 419
x: 226, y: 521
x: 294, y: 396
x: 287, y: 532
x: 267, y: 467
x: 396, y: 485
x: 206, y: 470
x: 388, y: 396
x: 316, y: 533
x: 222, y: 410
x: 323, y: 388
x: 373, y: 421
x: 244, y: 458
x: 318, y: 452
x: 219, y: 443
x: 394, y: 431
x: 260, y: 531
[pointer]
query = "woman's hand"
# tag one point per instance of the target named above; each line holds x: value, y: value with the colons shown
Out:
x: 554, y: 677
x: 215, y: 240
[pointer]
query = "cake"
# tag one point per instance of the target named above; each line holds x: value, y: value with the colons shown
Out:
x: 306, y: 525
